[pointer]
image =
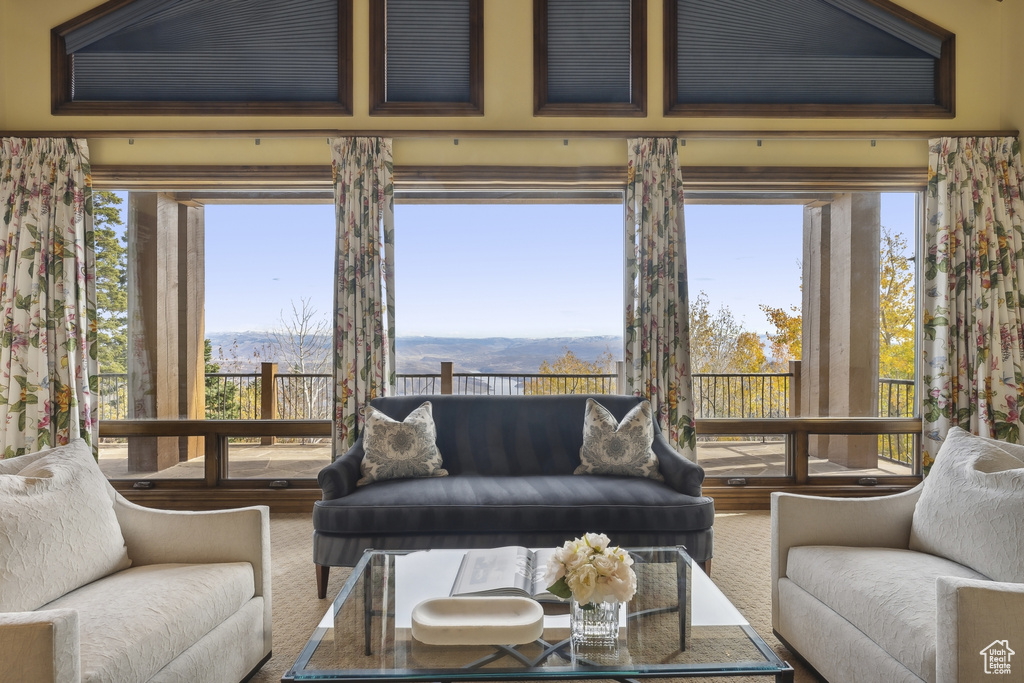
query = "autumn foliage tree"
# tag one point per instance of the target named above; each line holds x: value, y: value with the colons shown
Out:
x: 573, y: 366
x: 718, y: 342
x: 896, y: 316
x: 898, y: 312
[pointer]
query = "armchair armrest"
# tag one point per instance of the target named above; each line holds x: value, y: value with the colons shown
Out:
x: 881, y: 522
x: 40, y: 646
x: 167, y: 536
x: 339, y: 478
x: 973, y: 615
x: 681, y: 474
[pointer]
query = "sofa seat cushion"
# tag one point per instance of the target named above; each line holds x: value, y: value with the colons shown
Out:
x: 134, y: 622
x: 887, y: 593
x: 473, y: 504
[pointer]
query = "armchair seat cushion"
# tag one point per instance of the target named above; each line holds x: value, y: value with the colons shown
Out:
x: 887, y: 593
x: 524, y: 504
x: 134, y: 622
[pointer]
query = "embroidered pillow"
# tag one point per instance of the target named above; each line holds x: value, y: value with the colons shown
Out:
x: 611, y: 447
x: 400, y: 450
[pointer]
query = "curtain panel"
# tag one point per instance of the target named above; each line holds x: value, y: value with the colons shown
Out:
x: 973, y: 302
x: 364, y: 295
x: 657, y: 344
x: 47, y: 295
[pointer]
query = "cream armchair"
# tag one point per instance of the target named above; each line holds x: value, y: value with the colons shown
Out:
x: 900, y: 587
x: 195, y: 603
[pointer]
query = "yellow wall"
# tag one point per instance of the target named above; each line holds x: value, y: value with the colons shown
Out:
x: 989, y: 96
x: 1012, y: 79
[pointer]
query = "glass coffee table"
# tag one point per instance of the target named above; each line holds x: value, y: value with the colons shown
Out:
x: 678, y: 625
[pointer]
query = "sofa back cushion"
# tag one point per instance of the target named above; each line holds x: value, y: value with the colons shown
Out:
x: 508, y: 435
x: 971, y: 508
x: 58, y: 530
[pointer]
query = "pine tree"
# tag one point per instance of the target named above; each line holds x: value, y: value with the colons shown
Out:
x: 111, y: 283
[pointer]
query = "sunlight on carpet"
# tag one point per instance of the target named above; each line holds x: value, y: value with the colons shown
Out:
x: 741, y: 568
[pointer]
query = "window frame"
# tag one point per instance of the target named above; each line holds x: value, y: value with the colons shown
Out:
x: 215, y: 488
x: 636, y: 107
x: 61, y: 71
x: 379, y: 106
x: 945, y: 82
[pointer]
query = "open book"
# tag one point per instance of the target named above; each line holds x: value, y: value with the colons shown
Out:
x: 512, y: 570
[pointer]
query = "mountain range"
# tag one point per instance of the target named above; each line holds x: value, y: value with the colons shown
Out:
x: 244, y: 351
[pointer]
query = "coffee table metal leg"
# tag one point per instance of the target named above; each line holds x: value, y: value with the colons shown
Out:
x: 367, y: 608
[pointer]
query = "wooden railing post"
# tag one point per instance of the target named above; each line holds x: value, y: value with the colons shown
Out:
x: 794, y: 388
x: 620, y: 378
x: 446, y: 377
x: 268, y: 398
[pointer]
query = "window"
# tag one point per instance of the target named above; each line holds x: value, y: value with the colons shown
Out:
x: 205, y: 57
x: 426, y: 58
x: 805, y: 58
x: 522, y: 294
x: 804, y: 305
x: 211, y: 307
x: 590, y: 59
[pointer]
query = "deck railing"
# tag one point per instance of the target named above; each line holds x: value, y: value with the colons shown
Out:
x: 308, y: 396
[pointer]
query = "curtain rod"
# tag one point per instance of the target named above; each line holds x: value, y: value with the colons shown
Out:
x: 270, y: 134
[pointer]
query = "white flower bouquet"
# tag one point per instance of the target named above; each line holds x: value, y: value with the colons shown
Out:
x: 590, y: 571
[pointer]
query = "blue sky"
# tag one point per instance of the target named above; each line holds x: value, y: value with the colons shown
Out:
x: 504, y: 270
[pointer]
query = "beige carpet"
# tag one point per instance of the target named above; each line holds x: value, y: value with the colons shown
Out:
x: 741, y: 569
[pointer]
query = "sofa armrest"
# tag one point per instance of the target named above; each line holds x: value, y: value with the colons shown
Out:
x: 166, y: 536
x: 681, y: 474
x: 40, y: 646
x: 339, y: 478
x: 797, y: 520
x: 973, y: 614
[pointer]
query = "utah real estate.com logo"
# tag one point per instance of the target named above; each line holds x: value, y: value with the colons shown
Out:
x: 997, y: 657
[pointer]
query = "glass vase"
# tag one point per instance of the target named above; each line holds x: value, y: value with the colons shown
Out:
x: 594, y: 624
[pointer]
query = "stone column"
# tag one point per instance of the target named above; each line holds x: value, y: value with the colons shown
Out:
x: 853, y: 322
x: 165, y: 314
x: 814, y: 371
x: 839, y: 374
x: 191, y: 322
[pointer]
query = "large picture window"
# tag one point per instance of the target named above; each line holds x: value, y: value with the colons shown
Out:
x: 218, y: 309
x: 804, y: 306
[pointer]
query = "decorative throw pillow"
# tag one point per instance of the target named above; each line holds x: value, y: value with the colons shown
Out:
x: 971, y: 509
x: 610, y: 447
x: 58, y: 530
x: 400, y: 450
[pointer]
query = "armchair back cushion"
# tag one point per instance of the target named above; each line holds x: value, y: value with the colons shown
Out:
x: 506, y: 436
x: 971, y: 509
x: 58, y: 530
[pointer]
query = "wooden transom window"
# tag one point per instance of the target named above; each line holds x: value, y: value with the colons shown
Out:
x: 805, y: 58
x: 426, y: 57
x: 205, y: 57
x: 590, y: 58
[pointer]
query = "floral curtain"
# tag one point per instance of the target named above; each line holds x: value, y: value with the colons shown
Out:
x: 973, y: 301
x: 657, y: 353
x: 364, y: 357
x: 47, y: 295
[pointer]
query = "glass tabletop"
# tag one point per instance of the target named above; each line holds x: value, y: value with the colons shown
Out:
x: 678, y: 624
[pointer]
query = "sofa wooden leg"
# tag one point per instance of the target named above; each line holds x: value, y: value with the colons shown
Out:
x: 321, y: 580
x: 705, y: 565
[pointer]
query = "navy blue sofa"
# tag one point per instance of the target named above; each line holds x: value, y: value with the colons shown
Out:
x: 511, y: 462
